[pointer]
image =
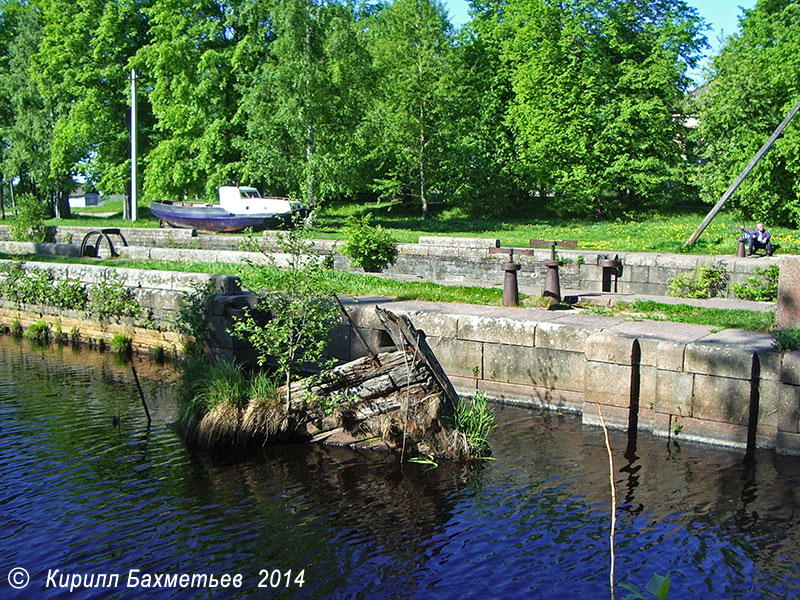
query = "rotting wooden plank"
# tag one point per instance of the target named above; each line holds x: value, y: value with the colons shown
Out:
x: 403, y: 333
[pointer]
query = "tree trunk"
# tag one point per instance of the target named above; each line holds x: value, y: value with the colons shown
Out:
x: 63, y: 210
x: 126, y: 202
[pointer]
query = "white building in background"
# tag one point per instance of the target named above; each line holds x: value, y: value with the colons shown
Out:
x: 80, y: 198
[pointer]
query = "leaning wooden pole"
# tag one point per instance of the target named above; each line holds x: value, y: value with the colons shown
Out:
x: 729, y: 192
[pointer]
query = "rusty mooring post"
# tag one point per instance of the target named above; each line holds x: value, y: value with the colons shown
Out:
x: 610, y: 268
x: 741, y: 252
x: 552, y: 288
x: 510, y: 284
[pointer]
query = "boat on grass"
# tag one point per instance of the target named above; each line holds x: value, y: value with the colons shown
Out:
x: 238, y: 208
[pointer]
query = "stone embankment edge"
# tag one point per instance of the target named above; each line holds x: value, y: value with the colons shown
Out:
x: 705, y: 386
x: 672, y: 379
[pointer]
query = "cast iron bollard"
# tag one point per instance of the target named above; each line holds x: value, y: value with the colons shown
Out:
x: 510, y: 286
x: 552, y: 288
x: 741, y: 252
x: 610, y: 267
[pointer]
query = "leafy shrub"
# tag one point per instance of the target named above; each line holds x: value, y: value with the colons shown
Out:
x: 786, y: 340
x: 705, y: 281
x: 302, y: 314
x: 193, y: 317
x: 28, y: 226
x: 761, y: 287
x: 369, y: 246
x: 37, y: 286
x: 110, y: 298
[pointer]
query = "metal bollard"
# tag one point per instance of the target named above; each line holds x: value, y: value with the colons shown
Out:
x: 552, y: 288
x: 610, y: 268
x: 741, y: 251
x: 510, y: 284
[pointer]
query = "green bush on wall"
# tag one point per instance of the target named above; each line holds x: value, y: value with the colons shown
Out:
x: 705, y: 281
x: 369, y: 246
x: 761, y: 287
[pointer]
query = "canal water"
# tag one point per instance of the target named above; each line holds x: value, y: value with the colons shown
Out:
x: 89, y: 496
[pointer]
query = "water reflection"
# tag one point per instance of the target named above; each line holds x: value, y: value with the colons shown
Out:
x: 83, y: 494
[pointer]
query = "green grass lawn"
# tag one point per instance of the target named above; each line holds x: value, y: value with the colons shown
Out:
x: 652, y: 233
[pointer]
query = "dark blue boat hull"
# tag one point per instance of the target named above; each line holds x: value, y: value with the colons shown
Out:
x: 215, y: 218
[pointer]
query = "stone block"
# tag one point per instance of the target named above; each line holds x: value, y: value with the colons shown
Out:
x: 630, y: 274
x: 552, y: 369
x: 670, y: 355
x: 647, y: 387
x: 655, y: 422
x: 714, y: 432
x: 684, y: 262
x: 615, y: 417
x: 458, y: 242
x: 674, y: 392
x: 788, y: 443
x: 608, y: 347
x: 788, y: 314
x: 496, y: 330
x: 570, y: 332
x: 163, y: 301
x: 769, y: 402
x: 789, y: 409
x: 436, y: 324
x: 728, y: 353
x: 790, y: 368
x: 608, y: 384
x: 721, y: 399
x: 458, y: 357
x: 533, y: 396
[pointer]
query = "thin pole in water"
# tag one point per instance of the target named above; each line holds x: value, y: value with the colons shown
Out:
x: 141, y: 394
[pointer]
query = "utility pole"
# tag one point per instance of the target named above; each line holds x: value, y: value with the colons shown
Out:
x: 134, y: 196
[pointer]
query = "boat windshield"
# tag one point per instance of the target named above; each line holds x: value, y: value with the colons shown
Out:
x: 249, y: 193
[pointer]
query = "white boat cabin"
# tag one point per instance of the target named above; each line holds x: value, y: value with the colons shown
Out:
x: 248, y: 201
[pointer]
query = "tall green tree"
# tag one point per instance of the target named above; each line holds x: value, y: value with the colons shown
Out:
x: 27, y: 121
x: 304, y: 105
x: 83, y: 66
x: 752, y: 85
x: 481, y: 161
x: 411, y: 42
x: 188, y: 68
x: 598, y: 92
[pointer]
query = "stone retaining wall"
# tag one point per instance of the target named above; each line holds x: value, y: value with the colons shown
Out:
x: 462, y: 260
x: 159, y: 293
x: 661, y: 377
x: 728, y: 387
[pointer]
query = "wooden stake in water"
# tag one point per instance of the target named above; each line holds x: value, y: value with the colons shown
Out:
x: 613, y: 498
x: 141, y: 394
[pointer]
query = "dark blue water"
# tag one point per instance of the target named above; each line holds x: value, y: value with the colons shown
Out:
x: 81, y: 496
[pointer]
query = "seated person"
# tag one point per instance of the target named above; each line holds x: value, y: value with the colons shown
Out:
x: 760, y: 238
